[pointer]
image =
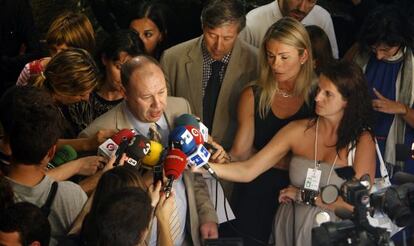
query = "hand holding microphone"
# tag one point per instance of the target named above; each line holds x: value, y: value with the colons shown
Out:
x: 112, y: 144
x: 174, y: 165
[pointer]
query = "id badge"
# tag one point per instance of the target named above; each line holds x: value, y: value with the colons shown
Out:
x: 313, y: 177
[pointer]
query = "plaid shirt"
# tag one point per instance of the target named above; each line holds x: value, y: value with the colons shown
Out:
x: 207, y: 61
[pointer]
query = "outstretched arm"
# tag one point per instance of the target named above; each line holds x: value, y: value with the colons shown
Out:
x: 263, y: 160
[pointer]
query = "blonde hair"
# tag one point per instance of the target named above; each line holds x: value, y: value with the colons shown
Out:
x: 74, y: 30
x: 71, y: 72
x: 290, y: 32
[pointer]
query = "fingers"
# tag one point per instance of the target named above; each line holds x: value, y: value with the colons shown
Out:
x: 379, y: 95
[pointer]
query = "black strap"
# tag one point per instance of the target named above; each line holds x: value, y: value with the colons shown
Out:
x: 46, y: 207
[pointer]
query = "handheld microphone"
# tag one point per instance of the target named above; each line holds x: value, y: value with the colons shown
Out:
x: 64, y: 154
x: 174, y: 166
x: 182, y: 139
x: 200, y: 159
x: 111, y: 144
x: 138, y: 147
x: 154, y: 155
x: 191, y: 120
x: 186, y: 119
x: 199, y: 139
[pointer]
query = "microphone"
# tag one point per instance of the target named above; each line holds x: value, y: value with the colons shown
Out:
x: 403, y: 178
x: 200, y: 157
x: 137, y: 148
x: 199, y: 139
x: 182, y: 139
x: 111, y: 144
x: 191, y: 120
x: 174, y: 165
x: 64, y: 154
x: 154, y: 155
x: 187, y: 119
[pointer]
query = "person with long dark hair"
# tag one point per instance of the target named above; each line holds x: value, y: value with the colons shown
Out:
x: 319, y: 144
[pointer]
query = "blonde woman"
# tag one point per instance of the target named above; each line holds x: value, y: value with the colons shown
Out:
x: 67, y: 30
x: 281, y: 94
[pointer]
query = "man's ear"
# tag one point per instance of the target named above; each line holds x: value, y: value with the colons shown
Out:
x: 51, y: 152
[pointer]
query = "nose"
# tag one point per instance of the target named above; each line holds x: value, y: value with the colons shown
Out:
x: 380, y: 55
x: 219, y: 44
x: 275, y: 63
x: 156, y: 102
x: 318, y: 96
x: 302, y: 5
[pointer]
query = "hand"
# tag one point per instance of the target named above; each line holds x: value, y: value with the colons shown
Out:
x: 110, y: 164
x: 288, y: 194
x: 100, y: 137
x: 165, y: 207
x: 89, y: 165
x: 220, y: 155
x: 385, y: 105
x: 209, y: 230
x: 154, y: 193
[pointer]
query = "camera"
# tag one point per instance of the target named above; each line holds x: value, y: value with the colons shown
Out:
x: 355, y: 229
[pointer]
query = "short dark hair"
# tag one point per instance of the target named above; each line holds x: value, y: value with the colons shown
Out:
x: 28, y: 220
x: 117, y: 178
x: 35, y: 126
x: 219, y: 12
x: 124, y: 216
x: 389, y: 25
x: 133, y: 64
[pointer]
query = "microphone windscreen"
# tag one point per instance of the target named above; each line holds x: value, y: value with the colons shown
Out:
x: 64, y: 154
x: 186, y: 119
x: 182, y: 139
x: 138, y: 147
x: 402, y: 178
x: 175, y: 163
x: 154, y: 154
x: 198, y: 138
x: 124, y: 134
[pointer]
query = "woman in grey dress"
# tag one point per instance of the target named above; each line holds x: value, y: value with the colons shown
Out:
x: 319, y: 145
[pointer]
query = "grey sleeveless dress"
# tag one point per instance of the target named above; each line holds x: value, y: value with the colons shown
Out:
x: 304, y: 215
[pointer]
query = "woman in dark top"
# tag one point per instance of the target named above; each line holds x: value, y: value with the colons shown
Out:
x: 117, y: 49
x: 279, y: 96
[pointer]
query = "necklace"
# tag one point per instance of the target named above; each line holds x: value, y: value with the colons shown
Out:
x: 283, y: 93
